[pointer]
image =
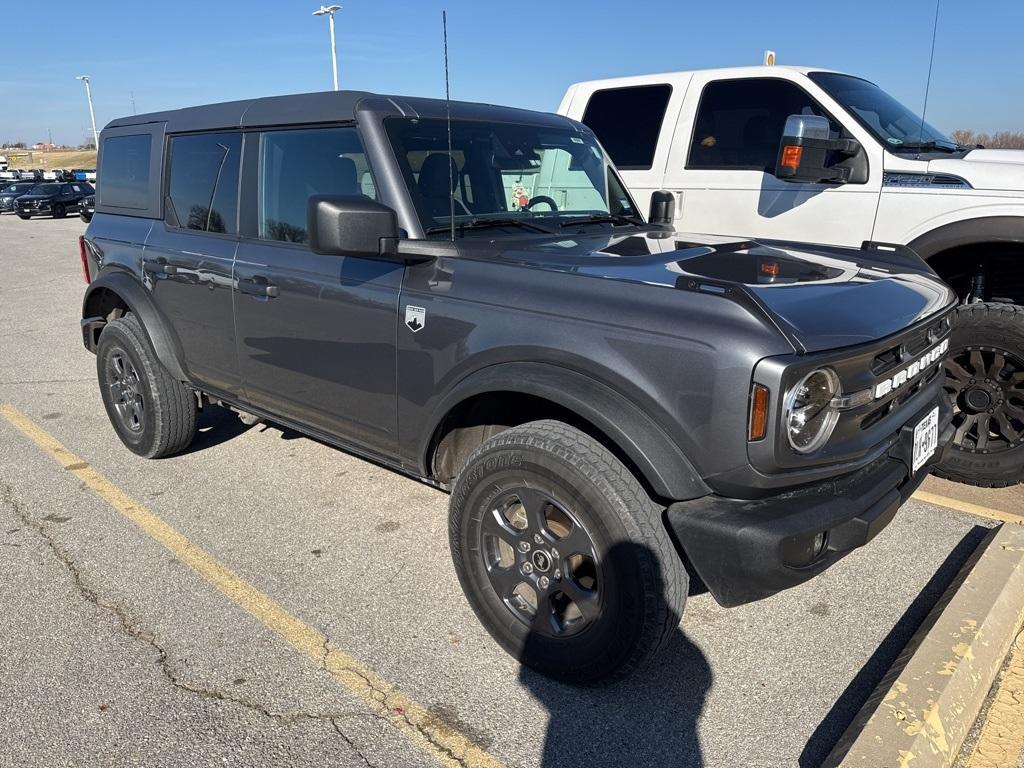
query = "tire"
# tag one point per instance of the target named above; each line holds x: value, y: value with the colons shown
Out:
x: 85, y: 217
x: 59, y: 211
x: 630, y: 594
x: 153, y: 413
x: 985, y: 382
x: 23, y: 217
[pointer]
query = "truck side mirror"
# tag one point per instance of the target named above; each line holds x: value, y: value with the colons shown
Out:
x: 351, y: 225
x: 807, y: 152
x: 663, y: 208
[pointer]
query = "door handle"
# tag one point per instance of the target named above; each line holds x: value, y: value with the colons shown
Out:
x: 258, y: 285
x: 159, y: 267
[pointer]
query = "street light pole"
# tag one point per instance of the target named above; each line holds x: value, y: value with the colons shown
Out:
x: 329, y: 11
x: 92, y: 114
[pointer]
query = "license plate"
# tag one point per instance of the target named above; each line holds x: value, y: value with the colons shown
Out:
x: 926, y: 439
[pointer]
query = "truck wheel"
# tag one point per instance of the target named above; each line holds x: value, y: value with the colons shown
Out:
x: 59, y: 211
x: 563, y: 556
x: 153, y: 413
x: 23, y: 217
x: 985, y: 381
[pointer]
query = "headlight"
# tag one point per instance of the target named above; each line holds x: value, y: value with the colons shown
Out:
x: 810, y: 416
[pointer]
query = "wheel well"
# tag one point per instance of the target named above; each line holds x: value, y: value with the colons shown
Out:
x: 477, y: 419
x: 105, y: 303
x: 998, y: 264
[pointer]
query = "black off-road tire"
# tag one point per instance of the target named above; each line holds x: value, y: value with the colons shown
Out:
x: 643, y: 583
x: 989, y: 330
x: 165, y: 422
x: 59, y: 211
x: 23, y: 217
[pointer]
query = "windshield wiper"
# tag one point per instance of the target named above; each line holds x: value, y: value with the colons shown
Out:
x: 489, y: 223
x: 919, y: 145
x: 602, y: 218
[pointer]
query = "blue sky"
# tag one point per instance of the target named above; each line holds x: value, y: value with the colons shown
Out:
x: 186, y: 52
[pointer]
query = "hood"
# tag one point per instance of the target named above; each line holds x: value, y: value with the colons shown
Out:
x: 820, y: 297
x: 30, y: 198
x: 994, y: 169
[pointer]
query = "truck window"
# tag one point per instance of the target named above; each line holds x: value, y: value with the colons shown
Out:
x: 627, y: 122
x: 202, y: 185
x: 125, y: 171
x: 297, y: 164
x: 739, y: 123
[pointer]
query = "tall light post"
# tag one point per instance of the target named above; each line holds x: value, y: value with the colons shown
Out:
x: 92, y: 114
x: 329, y: 11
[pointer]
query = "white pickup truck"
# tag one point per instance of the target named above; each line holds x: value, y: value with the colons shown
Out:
x: 807, y: 154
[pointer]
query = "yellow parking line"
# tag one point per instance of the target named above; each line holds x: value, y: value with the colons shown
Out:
x: 966, y: 506
x: 447, y: 745
x: 1001, y: 741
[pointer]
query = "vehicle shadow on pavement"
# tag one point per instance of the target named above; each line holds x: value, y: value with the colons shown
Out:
x: 649, y: 718
x: 216, y: 425
x: 829, y: 731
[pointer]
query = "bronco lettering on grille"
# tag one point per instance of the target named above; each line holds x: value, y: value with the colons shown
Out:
x: 912, y: 371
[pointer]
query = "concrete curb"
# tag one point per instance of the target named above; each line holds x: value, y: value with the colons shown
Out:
x: 922, y: 710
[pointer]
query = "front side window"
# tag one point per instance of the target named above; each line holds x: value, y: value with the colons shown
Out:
x: 202, y: 185
x: 739, y: 123
x: 892, y: 123
x: 631, y: 142
x: 297, y: 164
x: 504, y: 171
x: 125, y: 171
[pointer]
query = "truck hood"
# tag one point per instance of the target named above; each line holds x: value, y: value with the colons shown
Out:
x: 993, y: 169
x: 819, y: 297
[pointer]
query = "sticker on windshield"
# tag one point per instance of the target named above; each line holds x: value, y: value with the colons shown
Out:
x: 575, y: 139
x: 415, y: 318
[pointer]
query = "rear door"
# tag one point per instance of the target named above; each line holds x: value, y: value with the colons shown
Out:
x: 187, y: 261
x: 316, y: 334
x: 723, y: 159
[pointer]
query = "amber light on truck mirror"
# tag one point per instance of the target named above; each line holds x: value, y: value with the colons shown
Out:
x: 791, y: 156
x: 758, y: 413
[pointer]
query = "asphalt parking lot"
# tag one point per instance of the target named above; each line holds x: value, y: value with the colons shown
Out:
x: 308, y: 614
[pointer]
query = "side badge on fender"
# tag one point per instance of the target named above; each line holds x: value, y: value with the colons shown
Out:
x: 415, y: 318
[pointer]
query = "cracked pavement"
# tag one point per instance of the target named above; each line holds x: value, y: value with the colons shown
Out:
x: 113, y: 652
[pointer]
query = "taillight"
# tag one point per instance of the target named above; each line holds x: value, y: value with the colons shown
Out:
x: 85, y: 260
x: 758, y: 427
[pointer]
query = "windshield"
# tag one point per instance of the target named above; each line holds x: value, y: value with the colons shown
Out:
x: 45, y: 189
x: 895, y: 126
x: 20, y: 188
x: 530, y: 175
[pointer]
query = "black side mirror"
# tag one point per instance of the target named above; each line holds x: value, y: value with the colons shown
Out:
x: 663, y: 209
x: 807, y: 152
x: 351, y: 225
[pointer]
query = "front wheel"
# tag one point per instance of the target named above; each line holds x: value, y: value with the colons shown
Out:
x: 563, y: 556
x: 24, y: 217
x: 59, y: 211
x: 153, y: 413
x: 985, y: 383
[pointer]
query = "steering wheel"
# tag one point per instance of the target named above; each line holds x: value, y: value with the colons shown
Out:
x: 541, y: 199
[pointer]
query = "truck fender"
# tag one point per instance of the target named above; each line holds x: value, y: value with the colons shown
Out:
x: 664, y: 467
x: 162, y: 339
x: 990, y: 229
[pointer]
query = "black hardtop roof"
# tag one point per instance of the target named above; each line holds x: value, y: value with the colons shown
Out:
x: 326, y: 107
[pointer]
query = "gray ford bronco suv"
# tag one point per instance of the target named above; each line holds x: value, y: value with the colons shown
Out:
x: 615, y: 407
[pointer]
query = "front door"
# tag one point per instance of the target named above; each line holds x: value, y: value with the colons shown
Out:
x: 723, y: 165
x: 316, y: 334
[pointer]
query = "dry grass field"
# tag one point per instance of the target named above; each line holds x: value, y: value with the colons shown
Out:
x: 72, y: 158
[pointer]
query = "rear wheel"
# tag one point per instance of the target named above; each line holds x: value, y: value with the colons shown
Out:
x: 985, y: 383
x: 153, y: 413
x: 563, y: 556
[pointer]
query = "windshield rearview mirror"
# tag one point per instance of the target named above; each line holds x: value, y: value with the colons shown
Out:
x: 351, y: 225
x: 808, y: 153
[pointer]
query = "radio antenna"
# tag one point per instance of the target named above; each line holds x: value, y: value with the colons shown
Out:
x: 448, y: 114
x: 928, y: 83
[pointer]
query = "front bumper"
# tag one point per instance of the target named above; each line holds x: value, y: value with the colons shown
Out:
x: 746, y: 550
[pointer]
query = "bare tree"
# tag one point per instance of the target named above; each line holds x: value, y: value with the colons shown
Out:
x: 998, y: 140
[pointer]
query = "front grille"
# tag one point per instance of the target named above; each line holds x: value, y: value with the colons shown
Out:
x: 908, y: 348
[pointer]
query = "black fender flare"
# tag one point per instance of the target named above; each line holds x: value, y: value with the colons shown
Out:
x: 162, y: 338
x: 665, y: 468
x: 988, y: 229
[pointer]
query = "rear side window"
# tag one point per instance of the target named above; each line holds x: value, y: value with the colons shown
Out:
x: 627, y: 122
x: 202, y: 185
x: 739, y: 123
x: 125, y: 171
x: 297, y: 164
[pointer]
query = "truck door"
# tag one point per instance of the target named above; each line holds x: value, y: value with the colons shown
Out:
x: 316, y: 333
x: 722, y: 162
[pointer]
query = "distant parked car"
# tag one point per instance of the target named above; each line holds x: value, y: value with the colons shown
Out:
x: 31, y: 174
x: 86, y: 208
x: 51, y: 199
x: 90, y: 174
x: 11, y: 192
